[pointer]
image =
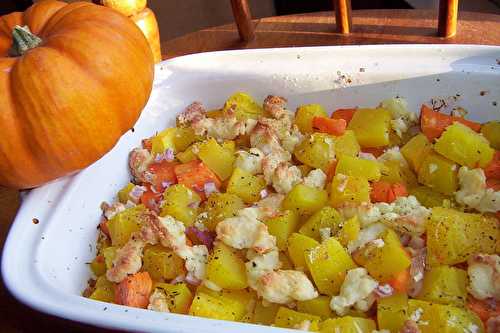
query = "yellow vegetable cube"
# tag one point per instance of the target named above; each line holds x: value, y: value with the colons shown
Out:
x: 349, y: 231
x: 316, y: 150
x: 328, y: 264
x: 439, y: 173
x: 445, y: 285
x: 179, y: 297
x: 462, y: 145
x: 298, y: 245
x: 347, y: 144
x: 319, y: 306
x: 123, y: 193
x: 217, y: 158
x: 98, y: 266
x: 265, y: 314
x: 161, y: 263
x: 125, y: 223
x: 104, y: 291
x: 491, y: 131
x: 181, y: 203
x: 326, y: 217
x: 453, y: 236
x: 220, y: 206
x: 245, y: 185
x: 371, y: 126
x: 177, y: 139
x: 188, y: 155
x: 244, y: 106
x: 383, y: 263
x: 392, y: 312
x: 348, y: 324
x: 286, y: 262
x: 109, y: 254
x: 349, y: 190
x: 240, y: 300
x: 393, y: 171
x: 428, y: 197
x: 305, y: 115
x: 288, y: 318
x: 305, y: 200
x: 226, y: 269
x: 358, y: 167
x: 213, y: 307
x: 282, y: 226
x: 415, y: 150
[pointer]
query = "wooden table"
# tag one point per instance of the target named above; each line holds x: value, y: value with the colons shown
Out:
x: 370, y: 27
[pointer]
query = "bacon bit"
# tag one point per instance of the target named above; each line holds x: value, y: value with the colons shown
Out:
x: 492, y: 171
x: 134, y: 290
x: 147, y: 144
x: 151, y: 200
x: 162, y: 172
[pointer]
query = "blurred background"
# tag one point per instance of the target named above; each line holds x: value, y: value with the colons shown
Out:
x: 178, y: 17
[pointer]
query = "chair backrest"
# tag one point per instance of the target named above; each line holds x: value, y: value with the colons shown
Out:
x: 447, y: 19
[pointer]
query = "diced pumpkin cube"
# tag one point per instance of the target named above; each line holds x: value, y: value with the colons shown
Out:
x: 104, y: 290
x: 213, y: 307
x: 319, y: 306
x: 226, y: 269
x: 358, y: 167
x: 288, y: 318
x: 195, y: 175
x: 491, y: 131
x: 245, y: 185
x: 328, y: 264
x: 349, y: 230
x: 462, y: 145
x: 428, y: 197
x: 298, y: 244
x: 179, y: 297
x: 98, y: 265
x: 177, y: 139
x: 347, y: 144
x: 286, y: 262
x: 220, y: 206
x: 371, y: 126
x: 124, y: 224
x: 415, y: 150
x: 305, y: 200
x: 392, y: 312
x: 453, y: 236
x: 445, y: 285
x: 282, y: 226
x: 109, y: 255
x: 439, y: 173
x: 229, y: 146
x: 189, y: 154
x: 393, y: 171
x: 123, y: 193
x: 240, y: 300
x: 217, y: 158
x: 349, y: 190
x: 265, y: 314
x: 348, y: 324
x: 244, y: 106
x: 316, y: 150
x: 386, y: 261
x: 326, y: 217
x: 305, y: 115
x: 181, y: 203
x: 161, y: 263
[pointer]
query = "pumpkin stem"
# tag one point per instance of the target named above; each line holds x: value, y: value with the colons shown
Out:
x: 23, y: 40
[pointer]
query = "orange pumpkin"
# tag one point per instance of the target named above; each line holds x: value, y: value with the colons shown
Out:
x: 73, y: 78
x: 126, y: 7
x: 146, y: 21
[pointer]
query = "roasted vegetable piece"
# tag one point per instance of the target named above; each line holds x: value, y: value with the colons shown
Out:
x: 196, y: 176
x: 238, y: 301
x: 371, y: 126
x: 181, y: 203
x: 98, y: 265
x: 265, y: 314
x: 177, y: 139
x: 298, y: 245
x: 305, y: 115
x: 453, y: 236
x: 161, y: 263
x: 348, y: 324
x: 328, y: 264
x: 179, y: 297
x: 189, y: 154
x: 445, y: 285
x: 491, y: 131
x: 358, y: 167
x: 349, y: 190
x: 244, y: 106
x: 392, y: 312
x: 217, y: 158
x: 393, y: 171
x: 383, y: 191
x: 214, y: 307
x: 326, y: 217
x: 226, y: 269
x: 329, y: 126
x: 316, y: 150
x: 345, y: 114
x: 439, y: 173
x: 415, y: 150
x: 288, y: 318
x: 428, y: 197
x: 282, y: 226
x: 464, y: 146
x: 245, y: 185
x: 123, y: 224
x: 347, y: 144
x: 134, y: 290
x: 220, y: 206
x: 104, y: 290
x: 349, y: 230
x: 123, y: 193
x: 319, y: 306
x: 305, y: 200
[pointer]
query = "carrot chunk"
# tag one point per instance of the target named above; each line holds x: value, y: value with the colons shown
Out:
x: 134, y: 290
x: 330, y: 126
x: 434, y: 123
x: 492, y: 171
x: 383, y: 191
x: 151, y: 199
x: 401, y: 281
x: 345, y: 114
x: 484, y: 309
x: 375, y: 151
x: 163, y: 174
x: 195, y: 175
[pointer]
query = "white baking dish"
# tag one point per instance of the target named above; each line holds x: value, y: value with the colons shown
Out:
x: 44, y: 264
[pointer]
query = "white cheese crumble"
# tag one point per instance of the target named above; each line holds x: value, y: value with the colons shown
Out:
x: 484, y: 276
x: 128, y: 260
x: 250, y: 161
x: 285, y: 177
x: 158, y: 301
x: 402, y: 119
x: 315, y: 178
x: 365, y: 236
x: 473, y: 192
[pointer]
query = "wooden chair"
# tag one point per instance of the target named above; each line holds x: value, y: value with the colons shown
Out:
x: 447, y: 19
